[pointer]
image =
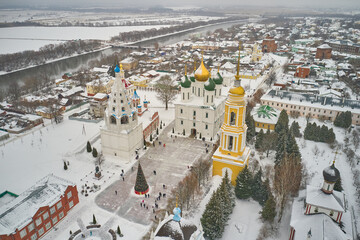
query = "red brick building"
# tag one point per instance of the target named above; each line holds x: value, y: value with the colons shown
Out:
x: 38, y: 209
x: 323, y: 52
x: 268, y: 45
x: 302, y: 72
x: 152, y: 125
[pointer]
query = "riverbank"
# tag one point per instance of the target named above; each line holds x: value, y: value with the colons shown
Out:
x: 57, y: 67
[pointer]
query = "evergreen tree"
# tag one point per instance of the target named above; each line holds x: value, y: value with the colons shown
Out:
x: 200, y: 135
x: 268, y: 212
x: 119, y: 231
x: 330, y: 136
x: 65, y: 166
x: 173, y: 130
x: 343, y: 120
x: 94, y: 219
x: 259, y: 140
x: 323, y: 134
x: 243, y: 184
x: 224, y: 193
x: 151, y: 138
x: 280, y: 148
x: 94, y: 152
x: 295, y: 129
x: 230, y: 188
x: 249, y: 120
x: 212, y: 219
x: 283, y: 122
x: 338, y: 185
x: 184, y: 132
x: 141, y: 185
x: 88, y: 147
x: 157, y: 131
x: 258, y: 189
x: 291, y: 146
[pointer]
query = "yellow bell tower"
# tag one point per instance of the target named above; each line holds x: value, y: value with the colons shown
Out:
x: 233, y: 154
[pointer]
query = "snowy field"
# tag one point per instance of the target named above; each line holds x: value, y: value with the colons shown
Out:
x: 57, y: 17
x: 18, y: 39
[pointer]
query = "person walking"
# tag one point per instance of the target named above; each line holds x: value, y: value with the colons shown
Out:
x: 115, y: 192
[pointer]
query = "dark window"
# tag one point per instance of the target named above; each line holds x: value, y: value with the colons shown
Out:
x: 231, y: 139
x: 112, y: 120
x: 232, y: 118
x: 124, y: 120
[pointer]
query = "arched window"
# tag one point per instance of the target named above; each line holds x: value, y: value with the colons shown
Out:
x: 112, y: 120
x: 212, y: 99
x: 232, y: 118
x: 124, y: 119
x: 207, y: 98
x: 183, y: 96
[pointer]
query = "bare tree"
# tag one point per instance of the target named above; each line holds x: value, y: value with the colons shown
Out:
x: 269, y: 142
x: 14, y: 91
x: 356, y: 138
x: 201, y: 170
x: 287, y: 180
x: 166, y: 91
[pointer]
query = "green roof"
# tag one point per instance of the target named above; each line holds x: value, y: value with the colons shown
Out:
x: 185, y: 83
x: 266, y: 111
x: 192, y: 78
x: 209, y: 85
x: 218, y: 80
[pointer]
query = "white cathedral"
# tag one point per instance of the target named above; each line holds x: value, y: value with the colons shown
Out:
x: 201, y: 109
x: 122, y: 135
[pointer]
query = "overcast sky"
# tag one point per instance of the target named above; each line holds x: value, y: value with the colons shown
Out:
x: 172, y: 3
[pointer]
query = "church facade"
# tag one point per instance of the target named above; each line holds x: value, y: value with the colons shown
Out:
x: 233, y: 155
x: 201, y: 109
x: 122, y: 135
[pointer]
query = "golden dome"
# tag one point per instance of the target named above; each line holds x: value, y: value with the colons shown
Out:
x: 237, y: 90
x: 202, y: 74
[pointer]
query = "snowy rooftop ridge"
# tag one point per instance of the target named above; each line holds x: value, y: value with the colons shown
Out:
x: 312, y: 100
x: 19, y: 212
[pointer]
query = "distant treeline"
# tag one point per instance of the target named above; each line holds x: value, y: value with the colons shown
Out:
x: 14, y: 61
x: 139, y: 35
x: 19, y: 24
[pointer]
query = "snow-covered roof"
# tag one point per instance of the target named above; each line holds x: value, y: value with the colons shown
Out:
x: 19, y: 212
x: 324, y: 46
x: 228, y: 65
x: 313, y: 101
x: 316, y: 197
x: 72, y: 91
x: 100, y: 95
x: 321, y: 225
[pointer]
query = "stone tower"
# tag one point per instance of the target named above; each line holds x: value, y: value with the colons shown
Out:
x: 122, y: 134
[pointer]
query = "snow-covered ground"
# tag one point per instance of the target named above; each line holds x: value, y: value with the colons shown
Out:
x: 18, y: 39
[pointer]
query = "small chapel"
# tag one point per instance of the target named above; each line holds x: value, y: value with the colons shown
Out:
x: 201, y: 109
x: 122, y: 134
x: 321, y: 213
x: 232, y: 154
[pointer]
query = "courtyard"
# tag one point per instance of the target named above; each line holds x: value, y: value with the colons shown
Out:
x: 171, y: 163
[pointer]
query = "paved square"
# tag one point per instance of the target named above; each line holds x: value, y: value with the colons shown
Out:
x: 171, y: 164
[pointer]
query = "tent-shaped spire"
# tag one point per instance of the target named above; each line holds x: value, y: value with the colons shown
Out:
x: 141, y: 186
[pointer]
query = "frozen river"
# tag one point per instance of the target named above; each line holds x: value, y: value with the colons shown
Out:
x: 18, y: 39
